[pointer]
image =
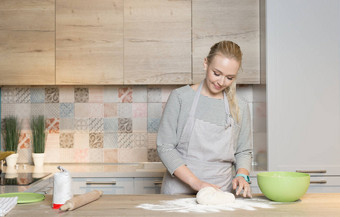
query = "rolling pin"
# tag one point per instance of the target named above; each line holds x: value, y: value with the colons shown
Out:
x: 81, y: 200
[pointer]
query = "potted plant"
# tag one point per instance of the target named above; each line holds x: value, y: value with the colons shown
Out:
x: 38, y: 139
x: 11, y: 135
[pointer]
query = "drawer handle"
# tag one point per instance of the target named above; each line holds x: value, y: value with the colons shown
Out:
x: 319, y: 182
x: 311, y: 171
x: 101, y: 183
x: 157, y: 182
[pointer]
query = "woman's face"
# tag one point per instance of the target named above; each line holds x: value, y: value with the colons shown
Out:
x: 221, y: 72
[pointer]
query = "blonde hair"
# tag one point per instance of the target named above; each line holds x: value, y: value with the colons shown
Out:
x: 230, y: 50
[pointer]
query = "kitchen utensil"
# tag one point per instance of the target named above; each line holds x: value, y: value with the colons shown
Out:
x: 81, y: 200
x: 25, y: 197
x: 283, y: 186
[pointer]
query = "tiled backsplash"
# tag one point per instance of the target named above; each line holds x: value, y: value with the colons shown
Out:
x: 92, y: 123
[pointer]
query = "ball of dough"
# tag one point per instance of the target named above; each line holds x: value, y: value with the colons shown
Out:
x: 212, y: 196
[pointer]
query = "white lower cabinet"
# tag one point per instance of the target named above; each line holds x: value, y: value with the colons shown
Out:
x: 148, y: 185
x: 108, y: 185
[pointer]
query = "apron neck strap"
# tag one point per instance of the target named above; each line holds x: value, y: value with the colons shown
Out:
x: 197, y: 96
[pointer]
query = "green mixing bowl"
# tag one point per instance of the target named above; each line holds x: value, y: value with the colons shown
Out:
x: 283, y: 186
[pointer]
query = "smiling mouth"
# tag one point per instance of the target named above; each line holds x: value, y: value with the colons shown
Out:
x: 217, y: 87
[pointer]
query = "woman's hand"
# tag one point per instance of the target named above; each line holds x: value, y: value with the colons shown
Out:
x: 242, y: 184
x: 198, y: 185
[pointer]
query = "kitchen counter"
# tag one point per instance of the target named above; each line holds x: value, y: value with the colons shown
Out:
x: 126, y: 205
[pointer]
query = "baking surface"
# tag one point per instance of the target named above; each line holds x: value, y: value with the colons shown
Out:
x: 126, y: 205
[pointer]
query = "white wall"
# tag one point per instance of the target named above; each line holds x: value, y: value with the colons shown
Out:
x: 303, y: 84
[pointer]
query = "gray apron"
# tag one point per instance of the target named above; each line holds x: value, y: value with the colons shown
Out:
x: 207, y: 150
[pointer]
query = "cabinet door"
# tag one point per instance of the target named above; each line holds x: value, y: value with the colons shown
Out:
x: 157, y: 42
x: 27, y: 33
x: 148, y: 185
x: 234, y: 20
x: 89, y: 42
x: 105, y: 184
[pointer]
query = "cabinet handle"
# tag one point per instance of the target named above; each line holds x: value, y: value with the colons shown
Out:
x: 100, y: 183
x: 311, y: 171
x: 318, y: 182
x: 157, y: 182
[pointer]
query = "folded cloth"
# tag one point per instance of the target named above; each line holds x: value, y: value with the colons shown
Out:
x: 7, y: 204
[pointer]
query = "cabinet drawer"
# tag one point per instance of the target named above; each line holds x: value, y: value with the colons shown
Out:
x: 107, y: 185
x: 148, y: 185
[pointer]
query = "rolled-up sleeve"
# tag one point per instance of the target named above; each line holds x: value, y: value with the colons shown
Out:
x: 167, y: 138
x: 244, y: 150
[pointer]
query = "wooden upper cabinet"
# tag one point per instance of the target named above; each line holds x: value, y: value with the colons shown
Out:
x: 89, y: 41
x: 157, y: 42
x: 27, y: 42
x: 234, y: 20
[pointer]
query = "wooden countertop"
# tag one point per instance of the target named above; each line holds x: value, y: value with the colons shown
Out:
x: 126, y: 205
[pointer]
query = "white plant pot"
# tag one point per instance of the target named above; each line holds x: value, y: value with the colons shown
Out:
x: 38, y: 159
x: 11, y: 160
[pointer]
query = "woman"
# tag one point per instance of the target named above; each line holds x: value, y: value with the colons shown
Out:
x: 205, y: 130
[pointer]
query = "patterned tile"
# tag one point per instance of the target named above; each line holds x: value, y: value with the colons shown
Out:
x: 125, y: 140
x: 139, y: 94
x: 96, y: 94
x: 111, y: 156
x: 66, y: 94
x: 52, y: 110
x: 23, y: 95
x: 125, y: 110
x: 139, y: 125
x: 22, y: 110
x: 154, y: 95
x: 152, y: 140
x: 81, y: 94
x: 81, y: 140
x: 125, y: 94
x: 81, y: 110
x: 81, y: 124
x: 66, y: 140
x: 66, y: 110
x: 24, y: 140
x: 125, y: 125
x: 51, y: 95
x: 132, y: 155
x: 37, y: 109
x: 66, y: 124
x: 81, y: 155
x: 96, y: 140
x: 96, y: 110
x: 110, y: 124
x: 139, y: 110
x: 153, y: 124
x: 8, y: 95
x: 111, y: 94
x: 140, y: 140
x: 52, y: 125
x: 153, y: 155
x: 25, y: 156
x: 111, y: 140
x: 110, y: 110
x: 7, y: 110
x: 96, y: 155
x: 154, y: 110
x: 96, y: 124
x: 37, y: 95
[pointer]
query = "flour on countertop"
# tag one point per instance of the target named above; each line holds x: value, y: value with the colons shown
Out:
x: 186, y: 205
